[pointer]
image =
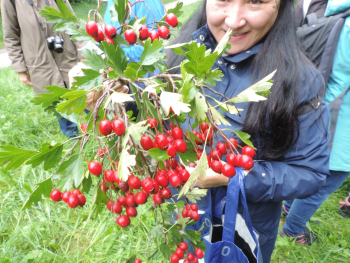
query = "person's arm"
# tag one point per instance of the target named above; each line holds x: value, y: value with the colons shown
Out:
x: 12, y: 33
x: 339, y: 79
x: 304, y: 168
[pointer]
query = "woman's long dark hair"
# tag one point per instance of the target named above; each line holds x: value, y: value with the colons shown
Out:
x: 280, y: 51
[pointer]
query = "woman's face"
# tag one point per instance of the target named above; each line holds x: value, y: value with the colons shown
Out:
x: 250, y: 21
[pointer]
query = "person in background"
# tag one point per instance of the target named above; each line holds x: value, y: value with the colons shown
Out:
x: 26, y: 40
x: 299, y: 211
x: 140, y: 10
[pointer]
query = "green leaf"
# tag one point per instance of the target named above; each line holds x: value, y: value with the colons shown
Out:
x: 43, y: 188
x: 218, y: 118
x: 46, y: 99
x: 69, y: 28
x: 120, y: 7
x: 188, y: 157
x: 193, y: 137
x: 138, y: 102
x: 50, y: 155
x: 98, y: 198
x: 177, y: 10
x: 76, y: 102
x: 226, y: 107
x: 211, y: 77
x: 136, y: 131
x: 115, y: 58
x: 165, y: 250
x: 120, y: 41
x: 148, y: 106
x: 243, y: 136
x: 87, y: 182
x: 173, y: 100
x: 90, y: 80
x: 158, y: 154
x: 223, y: 46
x: 181, y: 49
x: 189, y: 89
x: 182, y: 222
x: 195, y: 236
x: 54, y: 16
x: 14, y: 157
x: 132, y: 71
x: 74, y: 168
x: 126, y: 161
x: 199, y: 63
x: 201, y: 106
x: 200, y: 170
x: 152, y: 52
x: 254, y: 92
x: 156, y: 232
x: 196, y: 194
x: 94, y: 60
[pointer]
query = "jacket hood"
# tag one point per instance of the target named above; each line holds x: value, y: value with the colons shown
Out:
x: 335, y: 7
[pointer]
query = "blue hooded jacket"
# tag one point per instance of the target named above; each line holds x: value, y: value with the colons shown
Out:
x: 298, y: 174
x: 339, y: 81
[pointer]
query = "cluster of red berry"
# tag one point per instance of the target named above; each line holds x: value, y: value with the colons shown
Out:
x: 179, y: 254
x: 110, y: 32
x: 73, y: 198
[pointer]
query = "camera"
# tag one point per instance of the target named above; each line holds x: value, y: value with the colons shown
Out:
x: 55, y: 43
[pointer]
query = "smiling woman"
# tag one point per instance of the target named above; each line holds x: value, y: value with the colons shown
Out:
x: 289, y: 133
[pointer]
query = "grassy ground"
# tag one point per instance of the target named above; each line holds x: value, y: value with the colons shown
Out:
x: 50, y: 232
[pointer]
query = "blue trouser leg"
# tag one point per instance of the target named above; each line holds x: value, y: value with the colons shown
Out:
x: 302, y: 210
x: 68, y: 128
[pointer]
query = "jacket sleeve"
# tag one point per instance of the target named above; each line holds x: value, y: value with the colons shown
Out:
x: 12, y: 36
x: 339, y: 79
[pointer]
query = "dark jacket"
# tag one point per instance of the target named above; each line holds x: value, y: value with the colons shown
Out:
x: 298, y: 174
x: 316, y: 6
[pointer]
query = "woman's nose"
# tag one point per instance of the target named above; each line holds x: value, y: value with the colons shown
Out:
x: 235, y: 16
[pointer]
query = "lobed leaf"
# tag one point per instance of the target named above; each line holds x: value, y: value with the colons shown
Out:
x: 46, y: 99
x: 76, y: 102
x: 196, y: 194
x: 90, y: 80
x: 48, y: 154
x: 43, y: 188
x: 14, y: 157
x: 152, y: 52
x: 243, y: 136
x: 158, y: 154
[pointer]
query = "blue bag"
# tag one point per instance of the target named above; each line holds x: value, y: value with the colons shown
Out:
x: 239, y: 239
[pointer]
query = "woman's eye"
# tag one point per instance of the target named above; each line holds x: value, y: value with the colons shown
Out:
x: 255, y: 2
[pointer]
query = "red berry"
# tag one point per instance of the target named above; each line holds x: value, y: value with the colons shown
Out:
x: 130, y: 200
x: 247, y: 150
x: 180, y: 146
x: 208, y: 133
x: 162, y: 171
x: 172, y: 162
x: 123, y: 221
x: 155, y: 187
x: 101, y: 152
x: 190, y: 256
x: 175, y: 180
x: 104, y: 187
x: 161, y: 141
x: 177, y: 133
x: 164, y: 32
x: 134, y: 182
x: 115, y: 177
x: 186, y: 261
x: 195, y: 215
x: 144, y: 33
x: 105, y: 127
x: 147, y: 184
x: 174, y: 258
x: 215, y: 155
x: 91, y: 28
x: 234, y: 142
x: 146, y: 142
x: 118, y: 127
x: 110, y: 31
x: 204, y: 126
x: 130, y: 36
x: 201, y: 137
x: 162, y: 180
x: 82, y: 199
x: 109, y: 205
x: 123, y: 186
x: 117, y: 208
x: 109, y: 41
x: 231, y: 159
x: 171, y: 140
x: 56, y: 195
x: 171, y: 19
x: 246, y: 162
x: 122, y: 200
x: 216, y: 166
x: 83, y: 127
x: 237, y: 160
x: 127, y: 193
x: 165, y: 193
x: 76, y: 192
x: 155, y: 145
x: 184, y: 175
x: 153, y: 35
x: 228, y: 170
x: 171, y: 150
x: 100, y: 36
x: 179, y: 168
x: 146, y: 193
x: 179, y: 252
x: 183, y: 246
x: 73, y: 201
x: 157, y: 199
x: 194, y: 207
x: 140, y: 198
x: 152, y: 123
x: 195, y: 260
x: 109, y: 176
x: 209, y: 160
x: 199, y: 253
x: 65, y: 196
x: 221, y: 148
x: 184, y: 213
x: 95, y: 168
x: 137, y: 261
x: 131, y: 211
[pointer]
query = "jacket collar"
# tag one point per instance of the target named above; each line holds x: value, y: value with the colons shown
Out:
x: 204, y: 36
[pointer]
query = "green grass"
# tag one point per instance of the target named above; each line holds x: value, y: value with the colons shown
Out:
x: 49, y: 232
x: 167, y: 1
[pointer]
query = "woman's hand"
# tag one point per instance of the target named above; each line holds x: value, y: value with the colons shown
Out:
x: 212, y: 180
x: 25, y: 78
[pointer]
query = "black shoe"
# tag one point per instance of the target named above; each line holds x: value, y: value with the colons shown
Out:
x: 344, y: 208
x: 306, y: 238
x: 284, y: 211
